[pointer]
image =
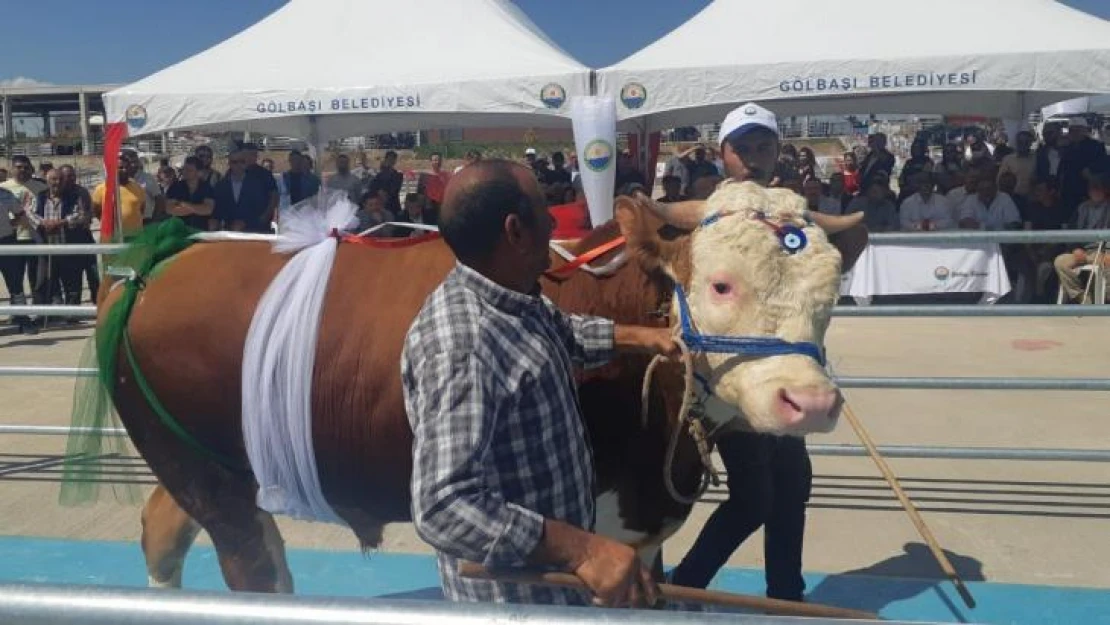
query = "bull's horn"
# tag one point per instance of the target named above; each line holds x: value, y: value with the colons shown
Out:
x: 833, y: 224
x: 685, y: 215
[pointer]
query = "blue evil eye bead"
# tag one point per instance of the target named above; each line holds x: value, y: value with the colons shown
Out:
x: 793, y: 239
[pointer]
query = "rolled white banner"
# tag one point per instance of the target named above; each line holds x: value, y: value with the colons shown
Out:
x: 595, y: 139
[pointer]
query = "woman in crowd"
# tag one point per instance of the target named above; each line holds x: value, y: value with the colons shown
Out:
x: 807, y: 164
x: 851, y: 174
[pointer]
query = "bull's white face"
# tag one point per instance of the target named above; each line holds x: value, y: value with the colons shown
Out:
x: 743, y: 282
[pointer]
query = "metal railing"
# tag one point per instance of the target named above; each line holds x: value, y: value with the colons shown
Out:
x: 41, y: 604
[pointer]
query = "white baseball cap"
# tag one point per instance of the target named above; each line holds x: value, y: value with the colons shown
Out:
x: 530, y: 151
x: 748, y: 117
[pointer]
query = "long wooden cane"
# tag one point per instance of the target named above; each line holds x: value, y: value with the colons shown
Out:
x: 670, y: 592
x: 910, y: 508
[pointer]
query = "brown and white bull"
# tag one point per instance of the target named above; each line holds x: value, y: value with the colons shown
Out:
x: 188, y: 328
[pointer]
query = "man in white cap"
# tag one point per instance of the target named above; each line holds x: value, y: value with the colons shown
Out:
x: 769, y: 477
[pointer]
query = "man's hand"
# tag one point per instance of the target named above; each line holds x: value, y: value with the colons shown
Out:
x: 615, y: 574
x: 646, y: 340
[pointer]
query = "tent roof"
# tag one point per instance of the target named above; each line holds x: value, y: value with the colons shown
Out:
x: 997, y: 57
x: 414, y: 64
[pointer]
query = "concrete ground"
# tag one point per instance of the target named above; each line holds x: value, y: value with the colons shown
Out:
x: 1024, y: 522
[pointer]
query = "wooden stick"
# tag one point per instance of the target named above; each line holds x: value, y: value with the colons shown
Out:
x: 910, y: 508
x: 671, y: 592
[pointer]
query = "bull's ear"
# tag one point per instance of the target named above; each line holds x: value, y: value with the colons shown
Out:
x: 655, y: 244
x: 851, y: 243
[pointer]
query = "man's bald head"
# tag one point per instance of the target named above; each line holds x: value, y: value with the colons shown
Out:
x: 478, y: 201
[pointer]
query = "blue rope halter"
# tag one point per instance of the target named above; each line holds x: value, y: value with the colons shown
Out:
x: 792, y: 240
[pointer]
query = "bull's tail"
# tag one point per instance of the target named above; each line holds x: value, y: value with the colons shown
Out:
x: 92, y: 446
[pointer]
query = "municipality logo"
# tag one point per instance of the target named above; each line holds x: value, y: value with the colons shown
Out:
x: 941, y: 273
x: 633, y: 95
x: 599, y: 155
x: 135, y: 116
x: 553, y: 96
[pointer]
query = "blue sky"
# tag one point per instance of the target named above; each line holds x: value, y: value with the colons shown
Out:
x: 118, y: 41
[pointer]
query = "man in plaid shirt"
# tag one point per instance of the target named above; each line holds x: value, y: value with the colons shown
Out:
x: 502, y: 466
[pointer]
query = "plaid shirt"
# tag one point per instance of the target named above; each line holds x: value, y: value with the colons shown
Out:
x: 499, y: 440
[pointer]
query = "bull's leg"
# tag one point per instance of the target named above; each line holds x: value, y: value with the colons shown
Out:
x: 250, y: 549
x: 168, y: 532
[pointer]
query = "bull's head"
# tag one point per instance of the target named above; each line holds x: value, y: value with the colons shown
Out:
x: 753, y: 263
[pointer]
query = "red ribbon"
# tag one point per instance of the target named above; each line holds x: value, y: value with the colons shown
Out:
x: 582, y: 259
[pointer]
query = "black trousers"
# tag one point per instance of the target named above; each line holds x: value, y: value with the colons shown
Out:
x: 14, y: 270
x: 58, y: 277
x: 769, y: 482
x: 86, y: 264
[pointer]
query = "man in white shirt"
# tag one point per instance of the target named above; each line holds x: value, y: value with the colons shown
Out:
x: 925, y: 209
x: 345, y: 180
x: 989, y: 209
x: 957, y: 196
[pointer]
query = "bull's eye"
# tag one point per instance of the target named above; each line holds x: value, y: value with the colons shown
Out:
x: 722, y: 288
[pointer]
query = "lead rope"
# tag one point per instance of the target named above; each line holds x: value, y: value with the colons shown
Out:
x: 709, y: 472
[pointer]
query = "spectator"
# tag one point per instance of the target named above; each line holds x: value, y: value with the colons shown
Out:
x: 918, y: 162
x: 166, y: 177
x: 957, y: 195
x: 249, y: 151
x: 416, y: 212
x: 1050, y: 152
x: 558, y: 173
x: 26, y: 190
x: 572, y: 166
x: 58, y: 212
x: 978, y: 153
x: 989, y: 208
x: 672, y: 190
x: 925, y: 209
x: 570, y: 196
x: 879, y: 213
x: 82, y: 234
x: 297, y: 184
x: 676, y: 168
x: 13, y: 268
x: 1093, y: 214
x: 705, y: 186
x: 432, y: 185
x: 207, y: 174
x: 389, y: 180
x: 530, y: 160
x: 628, y: 173
x: 878, y: 161
x: 364, y: 172
x: 1002, y: 148
x: 345, y: 181
x: 817, y: 201
x: 1081, y: 157
x: 243, y: 201
x: 1007, y: 182
x: 1021, y: 163
x: 952, y: 159
x: 697, y: 166
x: 807, y: 164
x: 837, y: 192
x: 154, y: 204
x: 473, y: 156
x: 268, y: 164
x: 372, y: 212
x: 1045, y: 212
x: 786, y: 168
x: 192, y: 199
x: 132, y: 199
x: 44, y: 168
x: 850, y: 173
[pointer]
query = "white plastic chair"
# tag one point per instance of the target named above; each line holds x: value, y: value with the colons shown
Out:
x: 1097, y: 278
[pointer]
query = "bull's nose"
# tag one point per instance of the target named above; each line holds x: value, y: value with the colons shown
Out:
x: 808, y: 404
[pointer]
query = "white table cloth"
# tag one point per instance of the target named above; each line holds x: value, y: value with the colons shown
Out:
x: 924, y: 269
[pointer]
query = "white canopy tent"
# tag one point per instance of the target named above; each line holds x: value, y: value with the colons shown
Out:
x: 801, y: 57
x: 1091, y: 104
x: 325, y: 69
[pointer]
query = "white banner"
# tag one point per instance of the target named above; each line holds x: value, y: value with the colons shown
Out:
x: 918, y: 270
x: 595, y: 138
